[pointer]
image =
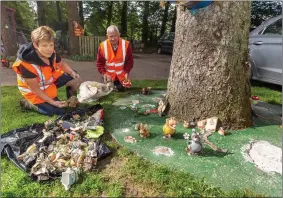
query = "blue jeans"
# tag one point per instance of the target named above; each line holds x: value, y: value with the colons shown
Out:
x: 48, y: 109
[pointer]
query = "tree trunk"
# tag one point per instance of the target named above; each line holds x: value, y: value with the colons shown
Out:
x: 164, y: 20
x: 124, y: 19
x: 174, y: 20
x: 59, y: 13
x: 145, y: 23
x: 209, y: 68
x: 109, y: 13
x: 41, y: 13
x: 81, y: 13
x: 72, y: 16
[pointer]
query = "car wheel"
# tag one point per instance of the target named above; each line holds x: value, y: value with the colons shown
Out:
x: 159, y: 50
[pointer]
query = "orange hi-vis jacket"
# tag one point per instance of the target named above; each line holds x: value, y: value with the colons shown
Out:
x: 46, y: 77
x: 115, y: 64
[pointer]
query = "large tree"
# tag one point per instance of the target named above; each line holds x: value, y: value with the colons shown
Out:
x: 72, y: 16
x: 208, y: 74
x: 145, y: 22
x: 41, y: 13
x: 124, y: 19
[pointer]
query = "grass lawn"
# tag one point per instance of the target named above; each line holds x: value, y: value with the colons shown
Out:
x: 121, y: 174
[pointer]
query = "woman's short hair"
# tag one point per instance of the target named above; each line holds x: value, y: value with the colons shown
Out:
x: 112, y: 28
x: 42, y: 33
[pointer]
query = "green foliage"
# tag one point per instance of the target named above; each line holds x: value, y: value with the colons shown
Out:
x: 82, y: 58
x: 24, y: 14
x: 262, y: 10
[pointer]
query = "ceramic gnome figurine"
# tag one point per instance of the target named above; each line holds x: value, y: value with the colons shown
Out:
x: 194, y: 145
x: 69, y: 177
x: 169, y: 128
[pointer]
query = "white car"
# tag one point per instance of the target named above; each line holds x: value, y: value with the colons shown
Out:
x: 265, y: 44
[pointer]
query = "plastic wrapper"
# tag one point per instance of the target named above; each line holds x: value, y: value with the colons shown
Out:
x: 91, y: 91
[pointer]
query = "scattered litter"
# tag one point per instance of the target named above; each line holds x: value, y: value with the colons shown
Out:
x: 125, y: 130
x: 123, y: 107
x: 156, y: 99
x: 130, y: 139
x: 149, y: 106
x: 264, y: 155
x: 162, y: 150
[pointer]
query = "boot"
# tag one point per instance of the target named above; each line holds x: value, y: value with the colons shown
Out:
x: 27, y: 105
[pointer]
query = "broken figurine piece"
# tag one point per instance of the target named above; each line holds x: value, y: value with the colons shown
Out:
x: 186, y: 124
x: 72, y: 102
x: 162, y: 107
x: 201, y: 124
x: 130, y: 139
x: 69, y: 177
x: 169, y: 127
x: 221, y: 131
x: 146, y: 91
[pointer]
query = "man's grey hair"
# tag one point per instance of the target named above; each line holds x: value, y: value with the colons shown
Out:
x: 112, y: 28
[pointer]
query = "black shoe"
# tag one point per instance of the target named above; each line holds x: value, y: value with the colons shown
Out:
x: 120, y: 88
x: 27, y: 105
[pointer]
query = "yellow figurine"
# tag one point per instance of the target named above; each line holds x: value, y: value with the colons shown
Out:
x: 170, y: 127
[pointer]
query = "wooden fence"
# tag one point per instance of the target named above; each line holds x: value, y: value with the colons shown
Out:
x: 89, y: 44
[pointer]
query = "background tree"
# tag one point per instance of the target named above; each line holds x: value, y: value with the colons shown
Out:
x: 81, y: 13
x: 173, y: 20
x: 164, y: 20
x: 208, y: 74
x: 41, y: 13
x: 72, y: 16
x: 262, y: 10
x: 145, y: 23
x: 124, y: 18
x: 109, y: 12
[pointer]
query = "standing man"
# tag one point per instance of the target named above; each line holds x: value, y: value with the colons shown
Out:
x: 40, y: 72
x: 115, y: 59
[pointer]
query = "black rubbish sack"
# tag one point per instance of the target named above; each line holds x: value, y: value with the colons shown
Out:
x: 16, y: 142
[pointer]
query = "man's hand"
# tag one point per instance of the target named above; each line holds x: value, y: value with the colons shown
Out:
x: 59, y: 104
x: 106, y: 78
x: 127, y: 76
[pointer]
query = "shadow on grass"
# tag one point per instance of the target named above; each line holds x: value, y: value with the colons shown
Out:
x: 208, y: 152
x: 266, y: 85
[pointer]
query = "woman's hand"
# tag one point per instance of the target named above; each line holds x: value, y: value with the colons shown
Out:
x: 59, y: 104
x: 75, y: 75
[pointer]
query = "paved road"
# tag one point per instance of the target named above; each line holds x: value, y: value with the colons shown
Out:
x: 146, y: 66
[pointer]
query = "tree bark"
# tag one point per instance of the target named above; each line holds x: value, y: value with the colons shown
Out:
x: 81, y: 13
x: 72, y: 16
x: 164, y: 20
x: 145, y: 23
x: 41, y: 13
x: 124, y: 19
x: 173, y: 24
x: 109, y: 13
x: 209, y: 68
x: 59, y: 13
